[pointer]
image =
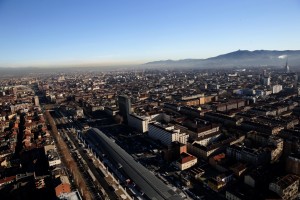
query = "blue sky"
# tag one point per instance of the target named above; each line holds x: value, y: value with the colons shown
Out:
x: 110, y: 32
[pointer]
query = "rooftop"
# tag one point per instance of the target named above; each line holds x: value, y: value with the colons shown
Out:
x: 286, y: 181
x: 153, y: 187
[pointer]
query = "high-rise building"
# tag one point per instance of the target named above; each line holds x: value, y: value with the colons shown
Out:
x: 36, y: 101
x: 266, y: 80
x: 265, y: 72
x: 287, y: 68
x: 276, y: 88
x: 124, y: 107
x: 295, y: 80
x: 14, y: 91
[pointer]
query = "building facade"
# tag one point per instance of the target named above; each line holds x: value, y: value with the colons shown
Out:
x: 124, y: 107
x: 166, y: 133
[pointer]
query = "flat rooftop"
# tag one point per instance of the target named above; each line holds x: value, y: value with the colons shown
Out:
x: 152, y: 187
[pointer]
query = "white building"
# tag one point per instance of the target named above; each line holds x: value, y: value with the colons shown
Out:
x: 52, y: 155
x: 166, y: 133
x: 206, y: 140
x: 139, y: 122
x: 74, y: 195
x: 276, y: 88
x: 36, y: 101
x: 186, y: 161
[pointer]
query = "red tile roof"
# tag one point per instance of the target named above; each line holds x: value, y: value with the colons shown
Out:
x: 7, y: 179
x: 186, y: 158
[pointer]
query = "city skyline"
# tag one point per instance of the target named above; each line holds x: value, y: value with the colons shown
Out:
x: 67, y: 33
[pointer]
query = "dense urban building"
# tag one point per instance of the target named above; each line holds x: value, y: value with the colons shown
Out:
x: 232, y: 131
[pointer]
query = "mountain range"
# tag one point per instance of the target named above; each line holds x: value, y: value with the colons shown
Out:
x: 240, y: 58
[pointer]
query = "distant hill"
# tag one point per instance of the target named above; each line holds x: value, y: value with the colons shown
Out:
x: 240, y: 58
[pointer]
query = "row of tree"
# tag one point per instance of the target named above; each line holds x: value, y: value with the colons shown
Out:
x: 68, y: 159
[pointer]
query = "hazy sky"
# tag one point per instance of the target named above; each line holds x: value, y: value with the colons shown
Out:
x: 63, y: 32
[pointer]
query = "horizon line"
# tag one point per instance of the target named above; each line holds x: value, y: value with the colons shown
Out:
x: 82, y: 63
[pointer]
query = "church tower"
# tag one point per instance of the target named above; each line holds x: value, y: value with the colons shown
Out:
x: 287, y: 68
